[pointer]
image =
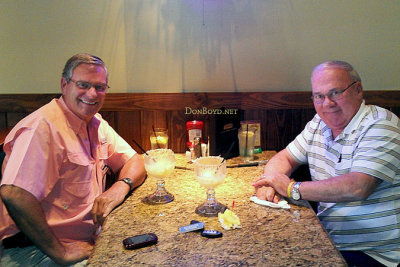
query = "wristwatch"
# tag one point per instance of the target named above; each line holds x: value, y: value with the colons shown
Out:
x: 295, y: 191
x: 128, y: 181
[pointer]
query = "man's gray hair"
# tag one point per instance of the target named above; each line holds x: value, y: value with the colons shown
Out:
x: 78, y: 59
x: 337, y: 64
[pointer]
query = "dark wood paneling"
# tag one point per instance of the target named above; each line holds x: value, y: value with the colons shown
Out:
x: 3, y: 120
x: 13, y: 118
x: 178, y: 101
x: 282, y: 114
x: 24, y: 102
x: 3, y: 134
x: 127, y: 124
x: 177, y: 130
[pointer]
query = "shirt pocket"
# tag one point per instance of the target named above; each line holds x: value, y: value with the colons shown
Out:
x: 77, y: 192
x: 77, y: 179
x: 78, y: 158
x: 77, y: 167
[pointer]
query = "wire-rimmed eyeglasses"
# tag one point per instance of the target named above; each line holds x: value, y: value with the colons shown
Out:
x: 99, y: 87
x: 334, y: 94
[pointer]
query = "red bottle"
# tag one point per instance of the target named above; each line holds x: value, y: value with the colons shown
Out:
x: 193, y: 129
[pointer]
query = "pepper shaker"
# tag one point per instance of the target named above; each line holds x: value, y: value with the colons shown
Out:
x: 197, y: 147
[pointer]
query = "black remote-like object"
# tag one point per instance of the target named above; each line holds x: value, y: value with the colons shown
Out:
x: 211, y: 233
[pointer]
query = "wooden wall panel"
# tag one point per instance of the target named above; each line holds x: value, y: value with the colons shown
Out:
x: 14, y: 117
x: 177, y: 130
x: 127, y: 124
x: 282, y: 114
x: 148, y: 120
x: 178, y: 101
x: 3, y: 120
x: 109, y: 117
x: 395, y: 110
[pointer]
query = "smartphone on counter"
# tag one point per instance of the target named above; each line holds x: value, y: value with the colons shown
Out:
x: 139, y: 241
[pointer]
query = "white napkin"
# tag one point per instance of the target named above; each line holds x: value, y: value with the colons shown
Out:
x: 282, y: 204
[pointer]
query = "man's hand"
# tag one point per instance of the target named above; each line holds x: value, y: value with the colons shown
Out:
x: 74, y: 252
x: 107, y: 201
x: 271, y: 186
x: 267, y: 193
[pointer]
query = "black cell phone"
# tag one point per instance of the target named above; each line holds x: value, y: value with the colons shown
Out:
x: 139, y: 241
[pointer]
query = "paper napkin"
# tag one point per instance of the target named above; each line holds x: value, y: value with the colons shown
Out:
x: 282, y: 204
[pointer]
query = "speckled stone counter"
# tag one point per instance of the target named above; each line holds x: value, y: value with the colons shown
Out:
x: 269, y: 237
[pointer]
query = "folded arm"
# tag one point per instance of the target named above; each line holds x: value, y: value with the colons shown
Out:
x: 269, y: 186
x: 348, y: 187
x: 115, y: 195
x: 29, y: 217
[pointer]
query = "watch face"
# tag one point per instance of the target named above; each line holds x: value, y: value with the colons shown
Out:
x: 128, y: 181
x: 296, y: 195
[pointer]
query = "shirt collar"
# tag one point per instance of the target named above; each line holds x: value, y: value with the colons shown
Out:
x: 355, y: 121
x: 350, y: 128
x: 73, y: 121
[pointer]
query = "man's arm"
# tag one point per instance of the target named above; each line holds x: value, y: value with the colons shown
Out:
x: 353, y: 186
x: 29, y: 217
x: 276, y: 174
x: 348, y: 187
x: 115, y: 195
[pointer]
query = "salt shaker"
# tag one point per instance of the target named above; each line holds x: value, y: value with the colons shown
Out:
x: 197, y: 147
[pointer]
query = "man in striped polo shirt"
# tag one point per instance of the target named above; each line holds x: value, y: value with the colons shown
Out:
x: 353, y: 152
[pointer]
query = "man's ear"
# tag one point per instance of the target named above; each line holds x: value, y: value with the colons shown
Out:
x: 63, y: 84
x: 359, y: 87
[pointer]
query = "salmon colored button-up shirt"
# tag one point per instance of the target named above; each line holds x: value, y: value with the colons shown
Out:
x: 61, y: 160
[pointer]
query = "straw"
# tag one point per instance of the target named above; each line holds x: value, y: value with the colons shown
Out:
x: 226, y: 154
x: 247, y: 136
x: 208, y: 146
x: 154, y: 132
x: 222, y: 162
x: 144, y: 151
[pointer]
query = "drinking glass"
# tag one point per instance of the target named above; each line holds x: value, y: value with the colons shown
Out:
x: 159, y: 163
x: 246, y: 144
x: 159, y: 138
x: 210, y: 173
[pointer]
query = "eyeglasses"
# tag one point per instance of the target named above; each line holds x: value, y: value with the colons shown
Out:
x: 334, y: 94
x: 100, y: 87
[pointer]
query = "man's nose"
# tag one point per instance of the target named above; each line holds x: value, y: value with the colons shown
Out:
x: 327, y: 101
x: 92, y: 91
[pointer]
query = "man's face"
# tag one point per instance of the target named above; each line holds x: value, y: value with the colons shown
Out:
x: 336, y: 114
x: 84, y: 103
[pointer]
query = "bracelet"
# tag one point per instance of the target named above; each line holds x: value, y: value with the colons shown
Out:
x: 289, y: 189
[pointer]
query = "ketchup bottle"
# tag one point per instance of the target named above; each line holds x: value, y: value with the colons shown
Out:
x: 193, y: 129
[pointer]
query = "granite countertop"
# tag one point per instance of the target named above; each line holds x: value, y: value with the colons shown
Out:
x: 269, y: 237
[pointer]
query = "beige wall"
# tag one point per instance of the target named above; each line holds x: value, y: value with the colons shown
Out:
x: 198, y: 45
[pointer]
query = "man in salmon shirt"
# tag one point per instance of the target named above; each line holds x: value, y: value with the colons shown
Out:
x: 53, y: 186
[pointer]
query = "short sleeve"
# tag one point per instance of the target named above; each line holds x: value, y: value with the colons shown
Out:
x: 378, y: 151
x: 119, y: 151
x: 32, y: 163
x: 299, y: 146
